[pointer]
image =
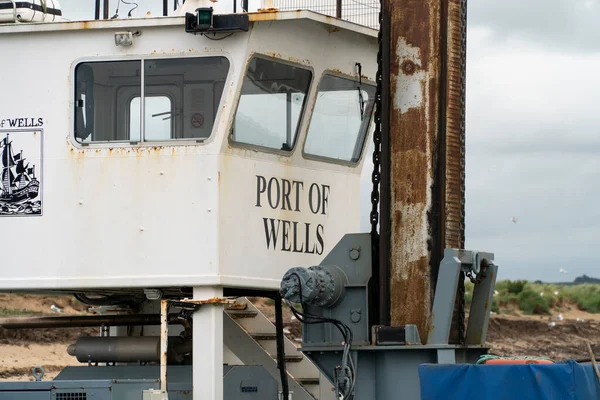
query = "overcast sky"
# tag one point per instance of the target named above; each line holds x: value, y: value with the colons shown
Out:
x: 533, y: 136
x: 533, y: 143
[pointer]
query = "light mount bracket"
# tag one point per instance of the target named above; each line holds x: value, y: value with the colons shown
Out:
x: 205, y: 21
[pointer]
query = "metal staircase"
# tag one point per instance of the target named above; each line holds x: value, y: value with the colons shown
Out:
x: 249, y: 337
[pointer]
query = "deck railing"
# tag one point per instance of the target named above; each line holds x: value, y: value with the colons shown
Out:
x: 363, y: 12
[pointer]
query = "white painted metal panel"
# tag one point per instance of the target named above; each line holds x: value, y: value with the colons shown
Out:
x: 114, y: 215
x: 248, y: 256
x: 260, y: 240
x: 120, y: 215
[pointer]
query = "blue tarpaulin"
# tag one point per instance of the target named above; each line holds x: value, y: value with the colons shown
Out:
x: 568, y: 381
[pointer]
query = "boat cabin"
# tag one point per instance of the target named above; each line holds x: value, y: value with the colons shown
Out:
x: 153, y: 153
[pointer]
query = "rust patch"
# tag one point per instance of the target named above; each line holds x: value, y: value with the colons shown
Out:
x: 408, y: 67
x: 418, y: 23
x: 268, y: 14
x: 411, y: 296
x: 349, y: 75
x: 238, y: 307
x: 274, y: 55
x: 137, y: 151
x: 288, y: 58
x: 214, y: 301
x: 413, y: 157
x: 409, y: 159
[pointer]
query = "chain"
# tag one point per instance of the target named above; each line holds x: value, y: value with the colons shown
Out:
x: 376, y: 175
x: 463, y: 96
x: 463, y: 107
x: 481, y: 275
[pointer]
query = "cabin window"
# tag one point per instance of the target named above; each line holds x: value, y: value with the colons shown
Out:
x: 340, y: 119
x: 271, y: 104
x: 177, y: 97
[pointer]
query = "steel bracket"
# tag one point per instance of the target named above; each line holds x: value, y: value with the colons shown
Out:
x: 455, y: 261
x: 195, y: 304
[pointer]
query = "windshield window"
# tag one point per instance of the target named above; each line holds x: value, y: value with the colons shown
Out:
x: 340, y: 119
x: 271, y: 104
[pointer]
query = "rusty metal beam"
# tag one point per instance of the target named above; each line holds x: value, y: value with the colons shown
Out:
x: 425, y: 168
x: 164, y: 343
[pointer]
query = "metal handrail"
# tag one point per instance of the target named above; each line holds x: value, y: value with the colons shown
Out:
x: 14, y: 8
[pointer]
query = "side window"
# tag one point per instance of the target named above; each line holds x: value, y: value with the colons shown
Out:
x: 271, y: 104
x: 177, y: 97
x: 340, y: 119
x: 96, y: 88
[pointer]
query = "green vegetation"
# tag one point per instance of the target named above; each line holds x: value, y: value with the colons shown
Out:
x: 269, y: 302
x: 531, y: 302
x: 587, y: 297
x: 539, y: 298
x: 8, y: 312
x: 75, y: 304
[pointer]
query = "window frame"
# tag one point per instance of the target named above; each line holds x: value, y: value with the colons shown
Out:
x: 367, y: 130
x: 301, y: 119
x: 145, y: 144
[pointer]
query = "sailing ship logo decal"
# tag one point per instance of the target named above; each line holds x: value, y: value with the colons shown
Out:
x: 20, y: 187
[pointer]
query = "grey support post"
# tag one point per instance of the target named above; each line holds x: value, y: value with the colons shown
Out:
x: 481, y: 305
x: 478, y: 264
x: 445, y: 295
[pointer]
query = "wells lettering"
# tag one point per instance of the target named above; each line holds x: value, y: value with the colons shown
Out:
x: 287, y: 195
x: 294, y: 236
x: 21, y: 122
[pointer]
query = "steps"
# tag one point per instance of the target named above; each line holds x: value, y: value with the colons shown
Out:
x: 251, y: 337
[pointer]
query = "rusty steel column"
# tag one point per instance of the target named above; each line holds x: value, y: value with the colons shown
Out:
x: 164, y: 343
x: 425, y: 167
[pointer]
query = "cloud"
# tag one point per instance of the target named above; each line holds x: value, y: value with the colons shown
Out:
x: 568, y: 25
x: 532, y: 152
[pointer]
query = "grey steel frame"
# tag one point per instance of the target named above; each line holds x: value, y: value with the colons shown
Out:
x: 383, y: 372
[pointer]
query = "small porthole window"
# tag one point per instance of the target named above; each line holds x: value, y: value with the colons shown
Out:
x: 271, y: 104
x: 340, y: 119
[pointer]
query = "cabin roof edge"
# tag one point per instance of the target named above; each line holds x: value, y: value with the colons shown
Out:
x: 269, y: 15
